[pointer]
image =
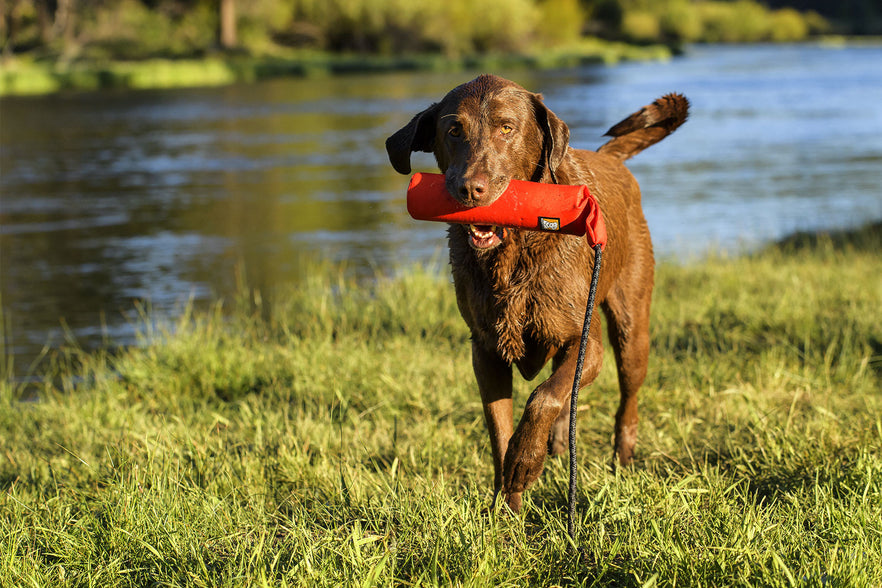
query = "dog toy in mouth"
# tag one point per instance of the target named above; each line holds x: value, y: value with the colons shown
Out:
x: 532, y: 206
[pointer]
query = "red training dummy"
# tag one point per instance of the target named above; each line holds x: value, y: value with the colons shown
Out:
x: 552, y: 208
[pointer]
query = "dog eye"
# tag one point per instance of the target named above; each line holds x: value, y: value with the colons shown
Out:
x: 506, y: 129
x: 454, y: 131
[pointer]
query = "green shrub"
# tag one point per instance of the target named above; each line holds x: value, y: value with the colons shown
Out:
x: 560, y: 22
x: 129, y: 30
x: 502, y: 25
x: 681, y: 22
x: 749, y: 21
x: 641, y: 25
x: 719, y: 22
x: 144, y: 29
x: 788, y: 25
x: 392, y: 26
x: 713, y: 21
x: 816, y: 23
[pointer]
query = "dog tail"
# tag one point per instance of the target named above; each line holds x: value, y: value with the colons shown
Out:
x: 646, y: 127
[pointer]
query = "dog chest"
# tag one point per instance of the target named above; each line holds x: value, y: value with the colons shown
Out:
x: 530, y: 292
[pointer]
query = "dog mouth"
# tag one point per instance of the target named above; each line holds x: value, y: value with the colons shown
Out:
x: 483, y: 237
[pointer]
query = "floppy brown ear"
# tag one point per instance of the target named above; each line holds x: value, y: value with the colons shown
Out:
x: 417, y: 135
x: 555, y: 135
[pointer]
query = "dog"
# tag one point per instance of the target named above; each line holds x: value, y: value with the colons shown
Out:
x: 523, y: 293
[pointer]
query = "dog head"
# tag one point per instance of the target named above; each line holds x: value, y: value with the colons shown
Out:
x: 484, y: 133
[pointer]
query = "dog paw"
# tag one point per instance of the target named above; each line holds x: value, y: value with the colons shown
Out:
x: 523, y: 463
x: 514, y: 501
x: 625, y: 442
x: 503, y: 504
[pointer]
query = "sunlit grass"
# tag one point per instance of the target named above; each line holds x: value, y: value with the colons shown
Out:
x: 334, y: 437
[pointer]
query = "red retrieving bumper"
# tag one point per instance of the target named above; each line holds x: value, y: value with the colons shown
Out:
x: 531, y: 206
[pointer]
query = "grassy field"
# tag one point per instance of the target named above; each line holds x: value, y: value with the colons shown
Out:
x: 334, y: 438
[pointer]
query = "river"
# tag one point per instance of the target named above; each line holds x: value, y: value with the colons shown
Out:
x: 112, y: 198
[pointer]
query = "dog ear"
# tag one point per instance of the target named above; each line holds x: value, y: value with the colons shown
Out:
x: 417, y: 135
x: 555, y: 134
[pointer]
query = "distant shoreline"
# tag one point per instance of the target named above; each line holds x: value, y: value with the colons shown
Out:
x: 23, y: 77
x: 29, y: 77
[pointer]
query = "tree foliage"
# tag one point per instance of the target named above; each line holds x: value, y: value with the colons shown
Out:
x: 136, y: 29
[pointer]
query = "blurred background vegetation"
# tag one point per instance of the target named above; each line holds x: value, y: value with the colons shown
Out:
x: 77, y: 30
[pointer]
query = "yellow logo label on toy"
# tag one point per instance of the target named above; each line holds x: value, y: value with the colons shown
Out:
x: 549, y: 224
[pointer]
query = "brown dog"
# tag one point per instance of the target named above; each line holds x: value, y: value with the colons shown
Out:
x: 523, y: 293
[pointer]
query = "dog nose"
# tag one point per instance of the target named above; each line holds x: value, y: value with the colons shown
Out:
x: 474, y: 187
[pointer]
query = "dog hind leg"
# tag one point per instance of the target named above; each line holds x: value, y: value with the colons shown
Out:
x: 627, y: 311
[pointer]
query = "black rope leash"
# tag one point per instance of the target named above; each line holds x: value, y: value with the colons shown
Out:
x: 583, y: 345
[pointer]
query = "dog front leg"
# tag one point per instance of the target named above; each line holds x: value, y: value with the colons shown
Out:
x: 529, y: 444
x: 494, y: 382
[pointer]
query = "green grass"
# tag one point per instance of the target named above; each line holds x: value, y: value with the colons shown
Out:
x: 334, y: 437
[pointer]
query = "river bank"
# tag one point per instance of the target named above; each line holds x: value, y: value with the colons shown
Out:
x: 24, y: 76
x: 27, y: 76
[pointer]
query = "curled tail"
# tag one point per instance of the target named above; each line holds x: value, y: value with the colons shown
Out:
x: 646, y: 127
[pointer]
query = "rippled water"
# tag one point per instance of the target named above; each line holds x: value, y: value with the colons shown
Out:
x: 113, y: 197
